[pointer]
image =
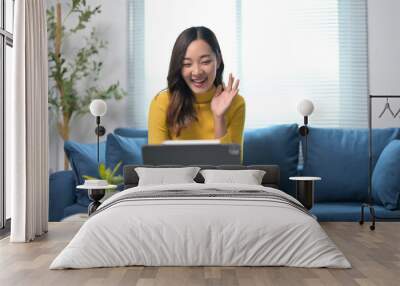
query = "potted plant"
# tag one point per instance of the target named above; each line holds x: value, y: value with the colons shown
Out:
x: 108, y: 175
x: 66, y: 73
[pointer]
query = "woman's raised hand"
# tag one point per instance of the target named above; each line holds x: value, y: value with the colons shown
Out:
x: 223, y: 97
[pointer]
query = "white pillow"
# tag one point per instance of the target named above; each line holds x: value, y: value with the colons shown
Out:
x: 249, y: 177
x: 163, y: 176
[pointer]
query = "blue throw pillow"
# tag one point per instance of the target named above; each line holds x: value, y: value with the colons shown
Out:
x: 386, y: 176
x: 83, y: 160
x: 278, y: 145
x: 340, y: 157
x: 124, y: 149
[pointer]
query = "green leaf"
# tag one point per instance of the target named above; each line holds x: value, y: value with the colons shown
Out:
x: 102, y: 171
x: 84, y: 16
x: 75, y: 4
x: 108, y: 175
x: 116, y: 168
x: 89, y: 177
x: 117, y: 180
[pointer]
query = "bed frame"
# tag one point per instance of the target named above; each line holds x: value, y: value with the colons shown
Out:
x: 270, y: 179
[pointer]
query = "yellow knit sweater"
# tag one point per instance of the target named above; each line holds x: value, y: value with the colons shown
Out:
x: 201, y: 129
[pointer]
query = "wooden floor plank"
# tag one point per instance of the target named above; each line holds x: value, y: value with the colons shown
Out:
x: 374, y: 255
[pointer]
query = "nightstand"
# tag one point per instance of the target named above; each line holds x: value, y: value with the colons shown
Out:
x: 305, y: 190
x: 95, y: 193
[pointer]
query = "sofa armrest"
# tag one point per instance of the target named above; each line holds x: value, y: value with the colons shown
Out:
x: 62, y: 186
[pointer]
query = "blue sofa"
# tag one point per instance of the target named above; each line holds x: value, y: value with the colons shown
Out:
x: 338, y: 156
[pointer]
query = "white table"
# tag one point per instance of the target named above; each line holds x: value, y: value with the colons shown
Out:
x: 305, y: 190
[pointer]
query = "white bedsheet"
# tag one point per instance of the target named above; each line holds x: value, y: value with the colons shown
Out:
x: 200, y: 231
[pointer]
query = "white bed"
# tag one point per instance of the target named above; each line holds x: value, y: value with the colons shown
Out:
x: 184, y: 230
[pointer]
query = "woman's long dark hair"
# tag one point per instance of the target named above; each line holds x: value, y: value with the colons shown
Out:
x: 181, y: 109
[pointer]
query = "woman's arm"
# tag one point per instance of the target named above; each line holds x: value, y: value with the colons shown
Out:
x: 221, y: 102
x: 157, y: 123
x: 234, y: 130
x: 219, y: 126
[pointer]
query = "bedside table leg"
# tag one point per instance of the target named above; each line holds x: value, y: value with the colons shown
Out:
x: 305, y: 193
x: 93, y: 207
x: 95, y: 195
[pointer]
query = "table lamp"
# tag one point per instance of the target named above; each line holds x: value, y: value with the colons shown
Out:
x: 98, y: 108
x: 305, y: 108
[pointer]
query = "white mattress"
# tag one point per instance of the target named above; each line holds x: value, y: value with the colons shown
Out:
x: 200, y: 231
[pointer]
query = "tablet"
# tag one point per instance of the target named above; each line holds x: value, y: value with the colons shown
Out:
x: 191, y: 154
x: 189, y: 142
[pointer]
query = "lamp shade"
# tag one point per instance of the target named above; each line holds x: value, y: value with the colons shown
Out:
x: 305, y: 107
x: 98, y: 107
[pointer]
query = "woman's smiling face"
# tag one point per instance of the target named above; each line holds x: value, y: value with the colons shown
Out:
x: 199, y: 66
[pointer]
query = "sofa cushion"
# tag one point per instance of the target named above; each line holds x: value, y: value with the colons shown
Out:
x: 386, y: 176
x: 350, y: 211
x: 74, y: 209
x: 123, y: 149
x: 61, y: 193
x: 274, y: 145
x: 340, y: 157
x: 83, y: 160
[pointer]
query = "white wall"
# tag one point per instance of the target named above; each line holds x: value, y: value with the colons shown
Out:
x: 111, y: 25
x: 384, y: 58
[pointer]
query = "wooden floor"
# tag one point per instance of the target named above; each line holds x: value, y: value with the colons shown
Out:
x: 374, y: 255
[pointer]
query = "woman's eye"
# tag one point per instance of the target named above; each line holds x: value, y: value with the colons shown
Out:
x: 186, y: 65
x: 206, y: 62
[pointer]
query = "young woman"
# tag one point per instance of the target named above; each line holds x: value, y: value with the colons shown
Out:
x: 197, y: 104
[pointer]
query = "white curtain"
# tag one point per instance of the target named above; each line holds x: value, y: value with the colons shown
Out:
x: 26, y: 124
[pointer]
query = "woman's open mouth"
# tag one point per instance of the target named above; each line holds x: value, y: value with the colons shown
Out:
x: 199, y: 83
